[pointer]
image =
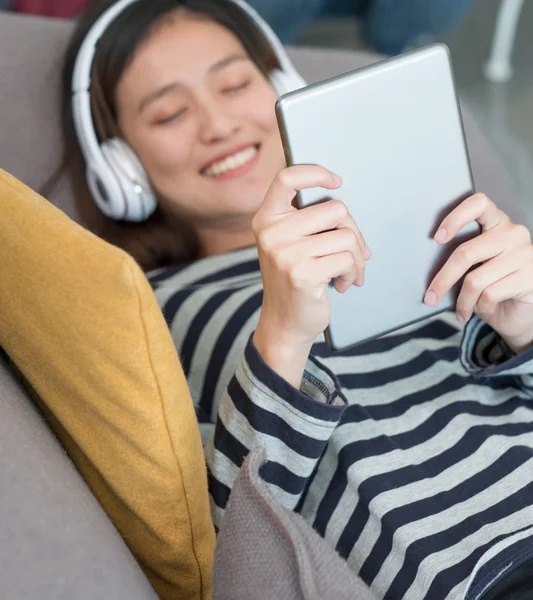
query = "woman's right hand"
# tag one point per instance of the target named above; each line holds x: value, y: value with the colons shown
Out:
x: 300, y: 252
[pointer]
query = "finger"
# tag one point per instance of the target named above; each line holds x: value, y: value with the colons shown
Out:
x: 321, y: 217
x: 482, y: 248
x: 507, y: 288
x: 475, y: 208
x: 333, y: 242
x: 324, y: 269
x: 291, y: 180
x: 480, y: 279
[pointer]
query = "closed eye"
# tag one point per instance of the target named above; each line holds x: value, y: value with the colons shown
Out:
x: 174, y: 116
x: 236, y: 88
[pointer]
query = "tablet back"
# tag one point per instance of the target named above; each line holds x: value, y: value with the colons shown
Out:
x: 393, y: 132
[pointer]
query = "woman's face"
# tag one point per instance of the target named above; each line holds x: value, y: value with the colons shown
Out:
x: 200, y: 116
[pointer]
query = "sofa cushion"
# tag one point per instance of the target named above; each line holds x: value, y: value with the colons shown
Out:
x: 55, y: 540
x: 265, y: 551
x: 31, y: 57
x: 80, y: 321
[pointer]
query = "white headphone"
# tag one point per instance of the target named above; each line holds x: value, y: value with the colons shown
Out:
x: 116, y: 177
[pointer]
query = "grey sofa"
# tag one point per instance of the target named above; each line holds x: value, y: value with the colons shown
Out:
x: 55, y: 540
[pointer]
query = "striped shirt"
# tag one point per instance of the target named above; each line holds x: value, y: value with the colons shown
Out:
x: 412, y: 454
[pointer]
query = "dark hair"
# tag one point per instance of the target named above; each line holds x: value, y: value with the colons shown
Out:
x: 161, y: 240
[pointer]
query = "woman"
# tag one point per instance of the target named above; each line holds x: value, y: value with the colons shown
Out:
x: 414, y: 459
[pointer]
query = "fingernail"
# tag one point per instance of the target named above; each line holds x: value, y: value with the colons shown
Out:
x: 430, y: 298
x: 367, y: 252
x: 338, y: 178
x: 441, y: 235
x: 460, y: 318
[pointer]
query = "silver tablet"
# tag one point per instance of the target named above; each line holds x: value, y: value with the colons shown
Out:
x: 393, y: 132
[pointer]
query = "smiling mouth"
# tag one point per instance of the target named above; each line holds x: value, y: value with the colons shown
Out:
x: 232, y: 162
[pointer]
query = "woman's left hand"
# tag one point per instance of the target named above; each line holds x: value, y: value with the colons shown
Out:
x: 500, y: 288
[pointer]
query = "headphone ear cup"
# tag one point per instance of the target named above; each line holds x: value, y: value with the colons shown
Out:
x: 105, y: 188
x: 284, y: 82
x: 139, y: 198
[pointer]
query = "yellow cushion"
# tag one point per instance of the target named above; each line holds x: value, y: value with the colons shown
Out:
x: 79, y: 320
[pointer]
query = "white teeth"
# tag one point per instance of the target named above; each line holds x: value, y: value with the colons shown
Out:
x: 231, y: 162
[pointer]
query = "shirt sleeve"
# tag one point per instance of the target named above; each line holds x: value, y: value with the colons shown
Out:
x: 484, y: 354
x: 293, y: 426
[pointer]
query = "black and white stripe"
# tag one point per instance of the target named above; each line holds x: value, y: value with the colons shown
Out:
x: 414, y: 461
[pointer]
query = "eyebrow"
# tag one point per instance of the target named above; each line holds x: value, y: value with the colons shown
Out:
x: 162, y: 91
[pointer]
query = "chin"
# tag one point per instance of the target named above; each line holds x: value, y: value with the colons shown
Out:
x: 257, y: 195
x: 247, y: 204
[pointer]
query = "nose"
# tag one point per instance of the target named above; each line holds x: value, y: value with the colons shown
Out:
x: 216, y: 122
